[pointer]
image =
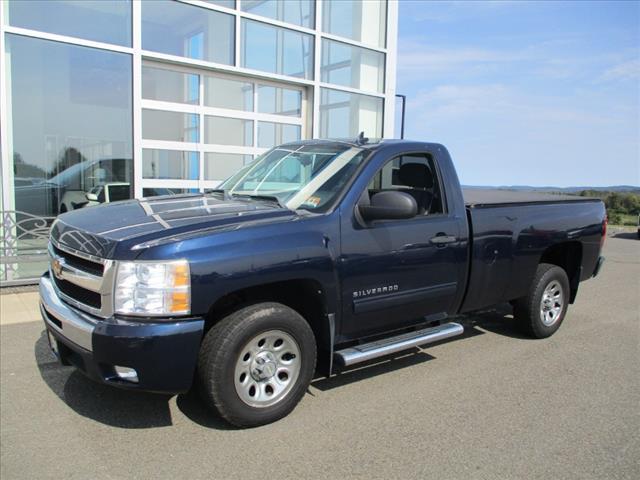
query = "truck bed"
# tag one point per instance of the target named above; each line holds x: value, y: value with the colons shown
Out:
x: 485, y: 197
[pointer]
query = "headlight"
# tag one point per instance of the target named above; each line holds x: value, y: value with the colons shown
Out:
x: 153, y: 288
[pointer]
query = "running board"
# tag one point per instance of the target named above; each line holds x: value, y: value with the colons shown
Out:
x: 386, y: 346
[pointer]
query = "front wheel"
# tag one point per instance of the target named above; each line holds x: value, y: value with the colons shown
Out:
x: 541, y: 312
x: 255, y: 365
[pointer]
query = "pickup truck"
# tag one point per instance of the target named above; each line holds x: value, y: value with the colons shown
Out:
x: 317, y: 256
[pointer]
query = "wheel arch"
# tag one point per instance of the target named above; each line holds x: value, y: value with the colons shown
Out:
x: 568, y: 256
x: 304, y: 295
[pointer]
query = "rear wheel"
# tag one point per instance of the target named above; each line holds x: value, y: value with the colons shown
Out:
x: 255, y: 365
x: 541, y: 312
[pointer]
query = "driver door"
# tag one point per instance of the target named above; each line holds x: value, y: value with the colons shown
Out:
x: 393, y: 272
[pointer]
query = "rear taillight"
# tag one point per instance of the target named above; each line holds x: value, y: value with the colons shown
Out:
x: 605, y: 222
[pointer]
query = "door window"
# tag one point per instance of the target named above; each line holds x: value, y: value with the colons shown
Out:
x: 415, y: 174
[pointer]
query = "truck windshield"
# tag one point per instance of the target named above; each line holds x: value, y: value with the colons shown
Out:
x: 299, y: 176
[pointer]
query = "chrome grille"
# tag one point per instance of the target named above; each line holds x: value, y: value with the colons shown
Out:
x: 82, y: 280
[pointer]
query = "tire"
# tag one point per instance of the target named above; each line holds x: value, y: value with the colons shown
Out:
x: 256, y: 364
x: 540, y: 313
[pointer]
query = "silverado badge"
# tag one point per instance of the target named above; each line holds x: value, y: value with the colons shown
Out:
x: 375, y: 290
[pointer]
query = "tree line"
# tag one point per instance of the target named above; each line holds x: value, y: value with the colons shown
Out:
x: 623, y: 208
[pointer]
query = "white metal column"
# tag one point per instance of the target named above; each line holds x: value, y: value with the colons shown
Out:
x: 136, y: 32
x: 390, y: 70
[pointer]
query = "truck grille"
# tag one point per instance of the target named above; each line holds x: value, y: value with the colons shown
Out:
x: 82, y: 280
x: 82, y: 295
x: 80, y: 263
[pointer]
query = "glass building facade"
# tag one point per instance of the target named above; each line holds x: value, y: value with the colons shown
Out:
x: 113, y: 99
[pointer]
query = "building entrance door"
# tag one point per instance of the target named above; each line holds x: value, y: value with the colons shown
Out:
x: 199, y: 127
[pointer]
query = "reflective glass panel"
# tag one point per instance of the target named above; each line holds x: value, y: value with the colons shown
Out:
x: 350, y: 66
x: 271, y: 134
x: 161, y: 191
x: 170, y: 85
x: 345, y: 114
x: 100, y: 21
x: 170, y: 126
x: 163, y: 164
x: 188, y: 31
x: 276, y: 50
x: 223, y: 3
x: 298, y: 12
x: 361, y: 21
x: 279, y: 101
x: 219, y: 166
x: 228, y: 131
x: 70, y: 132
x: 225, y: 93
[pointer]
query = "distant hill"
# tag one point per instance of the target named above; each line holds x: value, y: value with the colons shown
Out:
x: 569, y: 190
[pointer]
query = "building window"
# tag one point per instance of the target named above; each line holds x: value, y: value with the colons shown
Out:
x: 271, y: 134
x: 170, y: 126
x: 188, y: 31
x: 220, y: 166
x: 276, y: 50
x: 223, y: 3
x: 360, y: 21
x: 345, y: 114
x: 170, y: 86
x: 279, y: 101
x: 162, y: 191
x: 70, y: 134
x: 228, y: 131
x: 205, y: 139
x: 298, y: 12
x: 108, y: 22
x: 170, y: 164
x: 226, y: 93
x: 350, y: 66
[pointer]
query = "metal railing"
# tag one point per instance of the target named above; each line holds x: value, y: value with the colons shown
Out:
x: 23, y: 241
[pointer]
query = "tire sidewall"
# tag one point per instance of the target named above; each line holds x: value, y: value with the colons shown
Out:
x: 272, y: 317
x: 553, y: 273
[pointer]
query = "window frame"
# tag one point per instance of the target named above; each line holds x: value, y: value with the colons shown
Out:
x: 445, y: 213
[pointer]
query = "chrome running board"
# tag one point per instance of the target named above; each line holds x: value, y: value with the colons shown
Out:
x: 386, y: 346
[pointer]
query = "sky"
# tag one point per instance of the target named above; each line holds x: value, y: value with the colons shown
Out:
x: 525, y: 93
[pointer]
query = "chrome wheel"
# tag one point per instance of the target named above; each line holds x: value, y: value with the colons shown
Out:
x: 267, y: 368
x: 552, y: 303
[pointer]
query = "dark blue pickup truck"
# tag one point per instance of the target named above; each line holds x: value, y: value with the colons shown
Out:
x: 317, y: 256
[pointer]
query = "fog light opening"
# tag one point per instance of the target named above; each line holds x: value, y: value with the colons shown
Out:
x: 126, y: 373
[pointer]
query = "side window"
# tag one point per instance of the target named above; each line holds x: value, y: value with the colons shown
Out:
x: 414, y: 174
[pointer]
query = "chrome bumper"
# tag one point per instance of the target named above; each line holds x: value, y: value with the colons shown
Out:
x: 68, y: 322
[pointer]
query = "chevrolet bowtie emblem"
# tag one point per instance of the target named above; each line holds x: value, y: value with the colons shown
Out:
x: 56, y: 268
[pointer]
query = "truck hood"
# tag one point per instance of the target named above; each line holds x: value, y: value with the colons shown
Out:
x: 98, y: 230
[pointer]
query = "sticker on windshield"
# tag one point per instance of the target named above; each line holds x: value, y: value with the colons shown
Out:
x: 312, y: 201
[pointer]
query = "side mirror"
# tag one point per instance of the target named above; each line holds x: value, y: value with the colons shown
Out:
x: 389, y: 205
x: 92, y: 197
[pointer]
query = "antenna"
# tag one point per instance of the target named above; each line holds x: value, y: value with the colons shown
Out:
x: 362, y: 140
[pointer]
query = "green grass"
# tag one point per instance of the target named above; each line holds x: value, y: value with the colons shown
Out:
x: 623, y: 219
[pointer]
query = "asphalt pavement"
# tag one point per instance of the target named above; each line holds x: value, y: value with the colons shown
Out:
x: 490, y: 404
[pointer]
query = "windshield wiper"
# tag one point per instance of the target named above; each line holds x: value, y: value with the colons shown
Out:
x: 268, y: 198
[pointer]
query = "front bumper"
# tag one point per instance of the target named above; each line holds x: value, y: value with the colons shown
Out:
x: 163, y: 354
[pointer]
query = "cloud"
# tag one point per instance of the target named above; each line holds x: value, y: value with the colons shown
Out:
x: 629, y: 70
x: 415, y: 55
x: 500, y: 101
x: 542, y: 101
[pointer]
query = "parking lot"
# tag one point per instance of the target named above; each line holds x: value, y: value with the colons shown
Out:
x: 490, y: 404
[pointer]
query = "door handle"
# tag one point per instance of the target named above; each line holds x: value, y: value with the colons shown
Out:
x: 442, y: 240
